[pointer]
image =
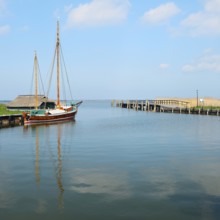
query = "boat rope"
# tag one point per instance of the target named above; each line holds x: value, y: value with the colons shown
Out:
x: 51, y: 72
x: 40, y: 77
x: 63, y: 84
x: 31, y: 88
x: 63, y: 74
x: 41, y: 86
x: 66, y: 72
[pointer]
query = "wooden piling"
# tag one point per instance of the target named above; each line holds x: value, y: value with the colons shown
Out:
x: 113, y: 103
x: 11, y: 120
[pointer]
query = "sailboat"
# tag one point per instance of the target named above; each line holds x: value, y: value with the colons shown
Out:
x: 60, y: 112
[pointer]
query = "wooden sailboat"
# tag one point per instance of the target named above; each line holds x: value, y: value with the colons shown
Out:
x: 59, y: 113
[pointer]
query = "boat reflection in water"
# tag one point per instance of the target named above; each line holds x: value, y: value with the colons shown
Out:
x: 51, y: 141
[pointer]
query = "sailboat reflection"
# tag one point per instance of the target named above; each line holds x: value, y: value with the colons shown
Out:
x: 37, y: 159
x: 56, y: 160
x: 59, y: 170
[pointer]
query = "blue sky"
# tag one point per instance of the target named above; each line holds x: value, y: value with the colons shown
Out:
x: 114, y: 49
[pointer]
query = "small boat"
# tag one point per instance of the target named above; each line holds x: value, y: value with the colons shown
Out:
x: 60, y: 113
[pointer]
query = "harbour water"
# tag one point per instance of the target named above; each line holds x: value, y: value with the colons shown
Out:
x: 112, y: 163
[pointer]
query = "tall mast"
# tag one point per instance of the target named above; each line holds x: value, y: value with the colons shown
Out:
x: 58, y: 64
x: 36, y: 79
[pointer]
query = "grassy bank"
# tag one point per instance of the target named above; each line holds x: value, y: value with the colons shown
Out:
x: 5, y: 111
x: 207, y: 107
x: 207, y: 103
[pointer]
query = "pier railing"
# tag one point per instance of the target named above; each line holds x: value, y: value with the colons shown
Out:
x: 172, y: 102
x: 166, y: 106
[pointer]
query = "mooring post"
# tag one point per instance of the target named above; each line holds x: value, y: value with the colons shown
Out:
x: 146, y: 106
x: 117, y: 103
x: 113, y: 103
x: 155, y: 107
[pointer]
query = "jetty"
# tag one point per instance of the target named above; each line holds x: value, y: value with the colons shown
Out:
x: 11, y: 120
x: 165, y: 106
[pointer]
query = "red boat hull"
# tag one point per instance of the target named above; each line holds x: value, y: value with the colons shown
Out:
x: 67, y: 116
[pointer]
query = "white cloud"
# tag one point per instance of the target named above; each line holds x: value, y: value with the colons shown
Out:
x: 4, y: 29
x: 160, y: 14
x: 205, y: 22
x: 212, y: 6
x: 164, y: 66
x: 97, y: 13
x: 208, y: 62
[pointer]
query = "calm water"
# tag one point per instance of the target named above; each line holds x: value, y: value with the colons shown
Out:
x: 112, y: 163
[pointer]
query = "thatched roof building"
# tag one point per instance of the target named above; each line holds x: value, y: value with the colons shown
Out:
x: 28, y: 102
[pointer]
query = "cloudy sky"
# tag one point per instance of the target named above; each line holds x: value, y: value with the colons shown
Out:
x: 114, y: 49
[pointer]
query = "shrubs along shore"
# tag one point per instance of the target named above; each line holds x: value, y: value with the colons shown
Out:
x: 5, y: 111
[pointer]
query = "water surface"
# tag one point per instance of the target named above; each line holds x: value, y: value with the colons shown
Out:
x: 112, y: 163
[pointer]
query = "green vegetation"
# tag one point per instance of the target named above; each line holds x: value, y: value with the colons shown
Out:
x: 5, y: 111
x: 207, y: 107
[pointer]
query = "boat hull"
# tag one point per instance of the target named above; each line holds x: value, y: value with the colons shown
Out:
x: 45, y: 119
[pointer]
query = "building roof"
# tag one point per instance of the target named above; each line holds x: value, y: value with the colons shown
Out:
x: 28, y: 101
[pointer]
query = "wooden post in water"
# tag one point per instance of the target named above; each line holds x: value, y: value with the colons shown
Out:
x: 117, y: 103
x: 146, y: 106
x: 113, y: 103
x: 155, y: 106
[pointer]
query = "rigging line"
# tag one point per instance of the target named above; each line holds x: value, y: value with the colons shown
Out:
x: 31, y: 88
x: 66, y: 72
x: 63, y: 83
x: 41, y: 79
x: 51, y: 74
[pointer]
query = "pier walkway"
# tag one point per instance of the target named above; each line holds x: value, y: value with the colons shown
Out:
x: 166, y: 106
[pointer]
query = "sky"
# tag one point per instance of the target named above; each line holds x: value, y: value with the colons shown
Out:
x: 113, y: 49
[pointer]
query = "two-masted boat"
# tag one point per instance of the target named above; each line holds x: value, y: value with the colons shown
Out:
x: 60, y: 112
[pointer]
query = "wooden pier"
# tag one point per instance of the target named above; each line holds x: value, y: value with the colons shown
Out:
x: 11, y: 120
x: 166, y: 106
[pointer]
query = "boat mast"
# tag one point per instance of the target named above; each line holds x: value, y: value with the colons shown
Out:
x: 36, y: 79
x: 58, y: 64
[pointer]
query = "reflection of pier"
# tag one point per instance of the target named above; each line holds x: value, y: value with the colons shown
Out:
x: 167, y: 106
